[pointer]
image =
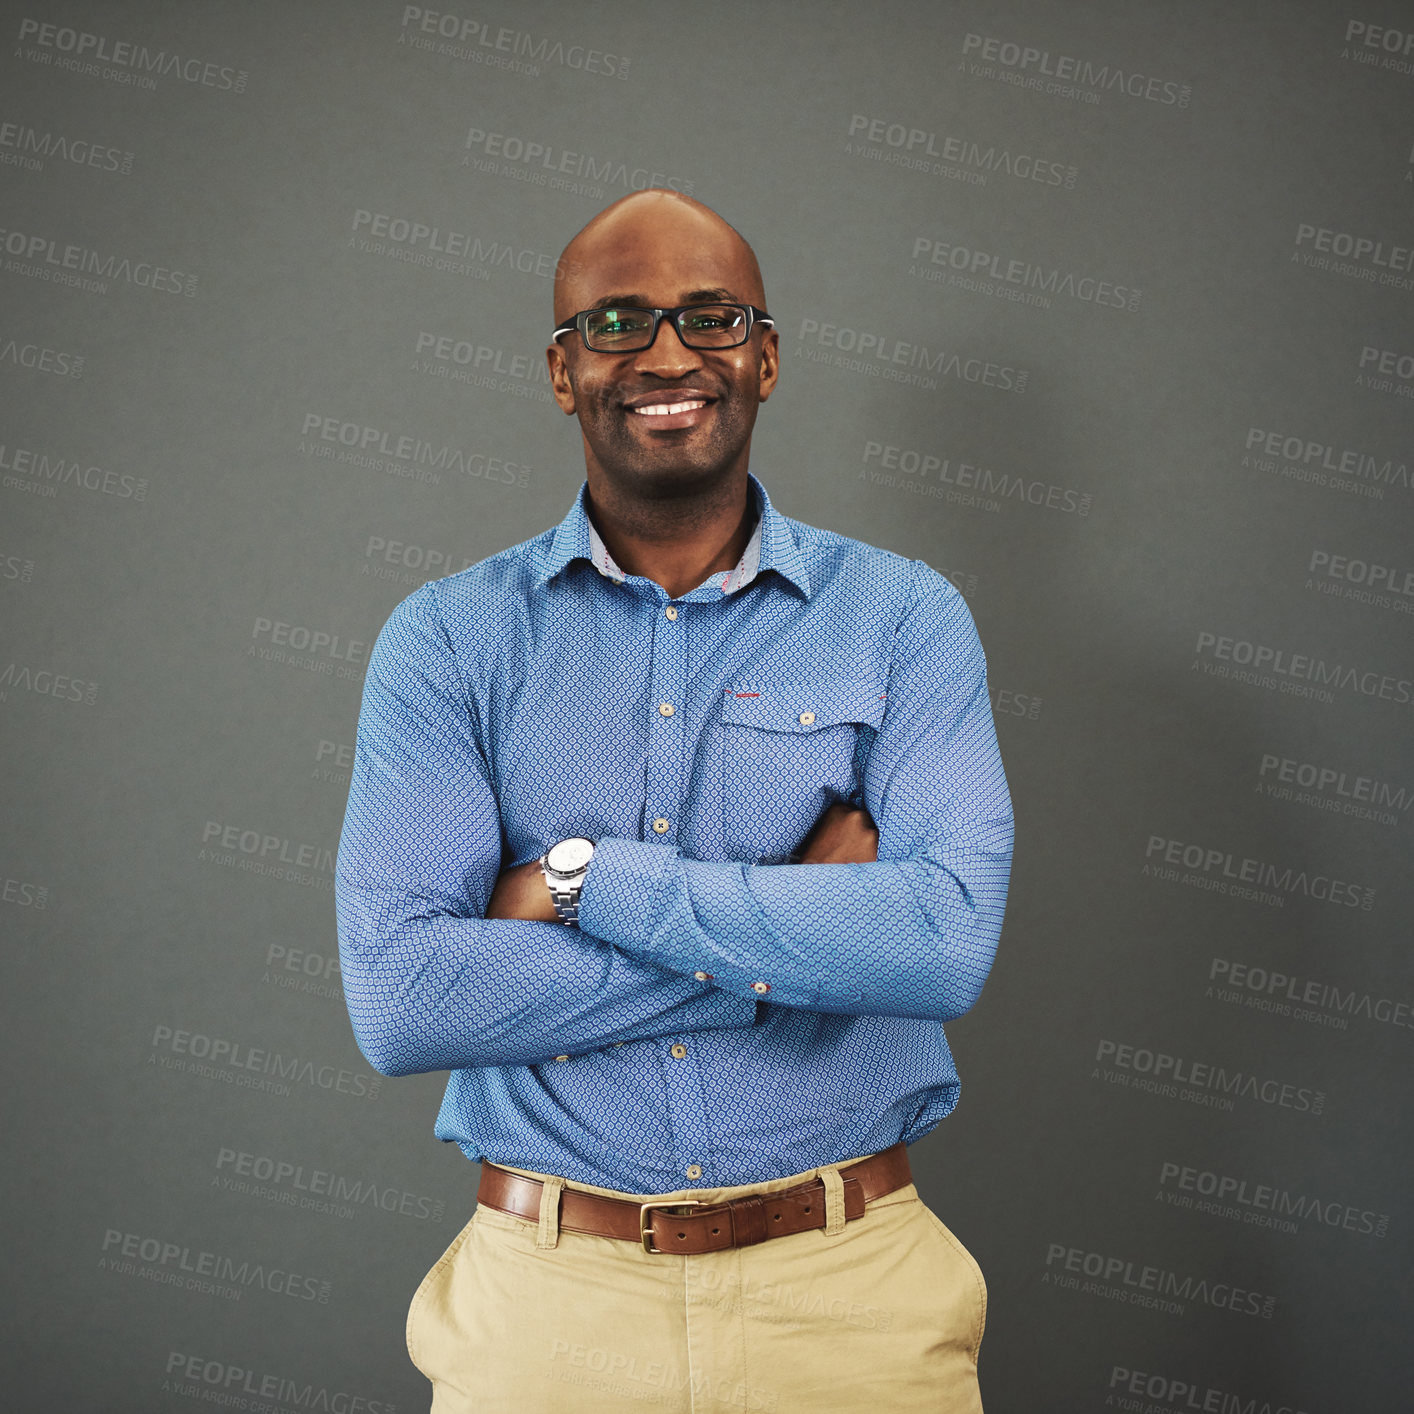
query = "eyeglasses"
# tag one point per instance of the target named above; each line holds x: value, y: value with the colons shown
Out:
x: 700, y: 326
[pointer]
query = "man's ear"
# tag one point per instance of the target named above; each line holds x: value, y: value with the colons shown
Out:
x: 560, y: 382
x: 770, y: 363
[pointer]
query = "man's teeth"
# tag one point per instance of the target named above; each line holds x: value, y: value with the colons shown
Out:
x: 665, y: 409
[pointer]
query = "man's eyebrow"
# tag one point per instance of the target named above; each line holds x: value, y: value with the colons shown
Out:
x: 643, y: 302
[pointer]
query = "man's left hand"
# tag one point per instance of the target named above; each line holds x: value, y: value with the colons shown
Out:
x: 521, y: 892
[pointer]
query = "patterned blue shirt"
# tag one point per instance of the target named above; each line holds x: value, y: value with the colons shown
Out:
x: 722, y: 1015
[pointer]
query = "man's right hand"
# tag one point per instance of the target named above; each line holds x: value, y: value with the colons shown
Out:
x: 844, y: 834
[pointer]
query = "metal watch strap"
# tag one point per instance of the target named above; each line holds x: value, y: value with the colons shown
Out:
x: 566, y: 898
x: 566, y: 883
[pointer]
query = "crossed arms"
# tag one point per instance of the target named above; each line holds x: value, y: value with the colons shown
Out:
x: 842, y: 835
x: 449, y: 963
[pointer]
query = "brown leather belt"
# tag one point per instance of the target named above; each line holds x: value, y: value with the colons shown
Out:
x: 687, y: 1227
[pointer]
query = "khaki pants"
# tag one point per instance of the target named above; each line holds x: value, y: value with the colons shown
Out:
x: 881, y: 1314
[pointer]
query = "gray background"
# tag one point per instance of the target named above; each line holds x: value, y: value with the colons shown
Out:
x: 163, y: 732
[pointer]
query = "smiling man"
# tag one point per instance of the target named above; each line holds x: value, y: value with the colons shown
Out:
x: 676, y: 834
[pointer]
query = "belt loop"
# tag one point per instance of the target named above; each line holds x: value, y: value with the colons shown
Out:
x: 834, y: 1201
x: 547, y: 1234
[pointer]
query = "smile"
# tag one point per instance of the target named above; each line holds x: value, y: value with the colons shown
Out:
x: 668, y: 409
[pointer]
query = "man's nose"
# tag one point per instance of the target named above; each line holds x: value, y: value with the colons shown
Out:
x: 667, y: 356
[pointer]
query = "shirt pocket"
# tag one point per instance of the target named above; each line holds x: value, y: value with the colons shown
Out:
x: 788, y: 749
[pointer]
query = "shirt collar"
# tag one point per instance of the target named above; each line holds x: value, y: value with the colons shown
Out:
x: 772, y: 547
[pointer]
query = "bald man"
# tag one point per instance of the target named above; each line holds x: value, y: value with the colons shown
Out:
x: 676, y: 834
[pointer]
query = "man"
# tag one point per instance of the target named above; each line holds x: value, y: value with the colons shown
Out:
x: 675, y: 834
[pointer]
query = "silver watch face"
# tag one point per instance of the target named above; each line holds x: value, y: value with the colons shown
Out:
x: 570, y: 856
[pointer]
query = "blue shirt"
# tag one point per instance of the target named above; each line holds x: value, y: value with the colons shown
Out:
x: 721, y: 1016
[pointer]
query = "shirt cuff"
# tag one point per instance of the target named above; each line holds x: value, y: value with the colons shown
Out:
x: 621, y: 898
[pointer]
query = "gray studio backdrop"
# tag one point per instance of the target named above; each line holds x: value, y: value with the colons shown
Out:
x: 1105, y: 311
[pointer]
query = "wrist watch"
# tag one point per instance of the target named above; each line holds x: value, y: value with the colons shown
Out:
x: 564, y: 866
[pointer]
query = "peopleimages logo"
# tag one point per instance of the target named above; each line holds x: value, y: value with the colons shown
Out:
x: 1143, y: 1393
x: 928, y: 472
x: 1224, y: 872
x: 24, y: 146
x: 1159, y: 1072
x: 1302, y: 998
x: 1331, y: 789
x: 334, y: 759
x: 1009, y: 702
x: 41, y: 359
x: 51, y: 471
x: 1021, y: 281
x: 404, y: 455
x: 943, y: 155
x: 224, y: 1384
x: 1300, y: 674
x: 988, y: 56
x: 85, y: 52
x: 402, y: 563
x: 732, y: 1292
x: 298, y: 970
x: 260, y: 852
x: 1389, y: 364
x: 19, y: 568
x: 445, y: 32
x: 544, y: 164
x: 482, y: 365
x: 294, y: 1185
x: 1382, y: 586
x: 1379, y: 46
x: 879, y: 355
x: 1359, y: 257
x: 23, y: 894
x: 1262, y: 1204
x: 45, y: 682
x: 252, y: 1067
x: 629, y: 1380
x: 318, y: 642
x: 1323, y: 463
x: 1142, y: 1284
x: 416, y: 242
x: 45, y: 258
x: 211, y: 1273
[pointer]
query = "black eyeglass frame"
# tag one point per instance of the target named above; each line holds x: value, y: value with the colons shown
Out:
x: 754, y: 316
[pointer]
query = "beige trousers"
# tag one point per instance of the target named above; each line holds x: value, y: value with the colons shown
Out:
x: 881, y: 1314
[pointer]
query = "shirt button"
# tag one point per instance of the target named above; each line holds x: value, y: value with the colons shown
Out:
x: 665, y: 709
x: 761, y: 987
x: 807, y: 719
x: 671, y: 611
x: 694, y: 1170
x: 703, y: 976
x: 559, y: 1058
x: 661, y: 826
x: 679, y: 1051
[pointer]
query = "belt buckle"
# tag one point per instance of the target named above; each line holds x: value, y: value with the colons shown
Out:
x: 645, y: 1222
